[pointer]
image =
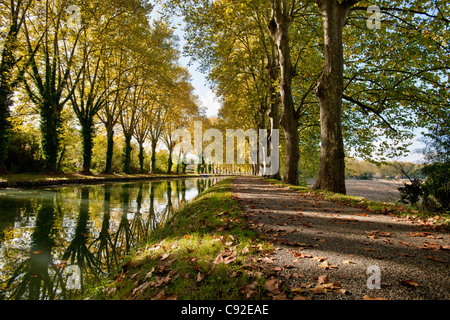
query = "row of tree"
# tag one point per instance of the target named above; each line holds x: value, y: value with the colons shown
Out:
x: 337, y: 77
x: 92, y: 64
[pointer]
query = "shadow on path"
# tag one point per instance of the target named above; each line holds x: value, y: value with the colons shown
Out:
x: 413, y: 258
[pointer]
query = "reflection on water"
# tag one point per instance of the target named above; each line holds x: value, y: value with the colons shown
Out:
x: 56, y: 241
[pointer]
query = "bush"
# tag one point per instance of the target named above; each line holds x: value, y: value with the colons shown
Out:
x: 432, y: 193
x: 23, y: 153
x: 365, y: 176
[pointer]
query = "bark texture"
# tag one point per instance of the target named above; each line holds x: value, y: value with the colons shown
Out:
x: 329, y: 92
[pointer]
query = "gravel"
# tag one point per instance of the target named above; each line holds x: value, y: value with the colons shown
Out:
x: 413, y: 258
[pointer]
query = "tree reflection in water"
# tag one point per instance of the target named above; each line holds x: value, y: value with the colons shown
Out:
x: 91, y: 227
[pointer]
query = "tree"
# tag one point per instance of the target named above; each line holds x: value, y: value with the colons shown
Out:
x: 15, y: 14
x: 182, y: 109
x: 329, y: 91
x: 47, y: 83
x: 143, y: 126
x: 94, y: 84
x: 393, y: 77
x: 109, y: 115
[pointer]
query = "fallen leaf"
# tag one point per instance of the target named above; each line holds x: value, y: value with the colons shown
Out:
x: 317, y: 290
x: 300, y: 297
x: 319, y: 259
x: 248, y: 289
x: 268, y: 259
x: 362, y: 214
x: 409, y: 283
x: 297, y: 291
x: 323, y: 279
x: 376, y: 233
x: 367, y: 297
x: 430, y: 246
x: 435, y: 258
x: 200, y: 276
x: 164, y: 256
x: 403, y: 254
x: 280, y: 296
x: 272, y: 286
x: 419, y: 234
x: 348, y: 262
x: 141, y: 288
x: 325, y: 265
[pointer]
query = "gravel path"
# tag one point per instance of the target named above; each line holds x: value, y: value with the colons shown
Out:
x: 325, y: 248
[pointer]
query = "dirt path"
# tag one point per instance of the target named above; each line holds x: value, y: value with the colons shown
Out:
x: 324, y: 249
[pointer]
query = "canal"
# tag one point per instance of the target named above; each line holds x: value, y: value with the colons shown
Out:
x: 57, y: 242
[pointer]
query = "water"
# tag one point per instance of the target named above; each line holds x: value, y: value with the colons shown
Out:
x: 56, y: 242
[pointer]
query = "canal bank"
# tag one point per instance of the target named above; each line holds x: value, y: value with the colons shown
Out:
x: 81, y: 232
x: 205, y: 252
x: 42, y: 180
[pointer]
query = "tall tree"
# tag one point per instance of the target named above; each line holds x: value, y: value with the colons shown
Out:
x: 329, y: 91
x: 47, y: 82
x: 14, y: 15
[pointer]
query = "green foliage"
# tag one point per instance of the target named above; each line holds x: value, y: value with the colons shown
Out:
x: 431, y: 194
x: 23, y: 152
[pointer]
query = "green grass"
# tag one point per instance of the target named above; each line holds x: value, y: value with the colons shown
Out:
x: 205, y: 252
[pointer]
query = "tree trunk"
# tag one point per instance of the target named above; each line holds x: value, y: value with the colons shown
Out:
x: 329, y: 92
x: 279, y: 30
x: 169, y: 161
x: 5, y: 125
x: 153, y: 169
x: 274, y: 108
x: 141, y: 157
x: 109, y: 149
x: 50, y: 128
x: 87, y: 132
x: 127, y: 155
x: 7, y: 65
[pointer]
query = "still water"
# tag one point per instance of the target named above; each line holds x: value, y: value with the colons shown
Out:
x: 54, y: 242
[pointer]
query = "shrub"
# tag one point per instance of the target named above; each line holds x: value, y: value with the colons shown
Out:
x: 432, y: 193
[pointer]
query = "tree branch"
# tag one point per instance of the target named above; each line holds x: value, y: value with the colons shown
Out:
x: 367, y: 108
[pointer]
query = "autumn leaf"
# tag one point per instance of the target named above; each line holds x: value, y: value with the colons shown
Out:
x: 403, y: 254
x: 409, y: 283
x: 280, y: 296
x: 323, y: 279
x: 319, y: 259
x: 268, y: 259
x: 348, y: 262
x: 200, y: 276
x: 325, y: 265
x: 226, y: 256
x: 434, y: 258
x: 419, y: 234
x: 368, y: 297
x: 141, y: 288
x: 248, y: 289
x: 164, y: 256
x: 272, y: 285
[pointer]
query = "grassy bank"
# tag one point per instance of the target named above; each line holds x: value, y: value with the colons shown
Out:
x: 206, y: 251
x: 372, y: 206
x: 39, y: 180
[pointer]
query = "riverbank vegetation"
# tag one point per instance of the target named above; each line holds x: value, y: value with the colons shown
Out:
x: 204, y: 252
